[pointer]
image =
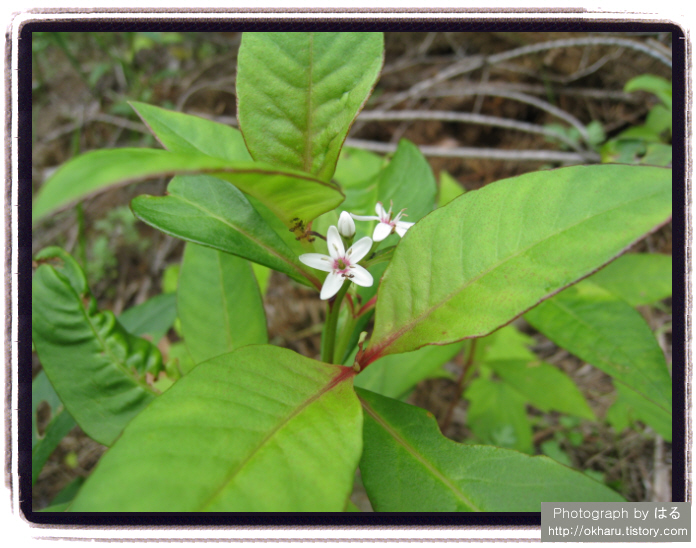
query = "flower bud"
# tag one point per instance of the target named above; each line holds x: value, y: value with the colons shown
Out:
x: 346, y: 225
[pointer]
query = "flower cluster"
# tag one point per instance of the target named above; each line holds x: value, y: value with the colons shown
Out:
x: 341, y: 264
x: 386, y: 225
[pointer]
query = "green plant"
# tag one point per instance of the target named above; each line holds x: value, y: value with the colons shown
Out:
x: 247, y: 426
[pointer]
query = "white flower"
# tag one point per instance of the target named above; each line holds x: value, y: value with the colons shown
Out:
x: 386, y: 225
x: 340, y: 264
x: 346, y: 226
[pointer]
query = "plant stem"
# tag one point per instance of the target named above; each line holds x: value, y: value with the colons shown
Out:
x: 327, y: 353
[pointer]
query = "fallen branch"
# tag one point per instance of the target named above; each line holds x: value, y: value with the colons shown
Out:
x: 552, y: 156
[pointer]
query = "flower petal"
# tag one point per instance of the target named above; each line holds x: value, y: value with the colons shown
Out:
x: 318, y: 261
x: 382, y: 230
x: 359, y: 249
x: 335, y: 244
x: 332, y: 284
x: 346, y: 226
x: 361, y: 276
x: 379, y: 209
x: 364, y: 217
x: 402, y: 227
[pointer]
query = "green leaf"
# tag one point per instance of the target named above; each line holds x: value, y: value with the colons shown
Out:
x: 652, y: 84
x: 356, y: 166
x: 94, y: 364
x: 68, y: 492
x: 497, y: 415
x: 542, y: 385
x: 170, y: 278
x: 207, y: 211
x: 263, y: 276
x: 406, y: 181
x: 657, y: 154
x: 59, y: 427
x: 607, y: 332
x: 449, y: 189
x: 631, y: 406
x: 261, y: 429
x: 56, y: 507
x: 395, y: 376
x: 283, y: 192
x: 183, y: 360
x: 638, y: 278
x: 42, y: 390
x: 553, y: 450
x: 659, y: 119
x: 154, y: 317
x: 219, y: 303
x: 180, y: 132
x: 298, y: 94
x: 490, y: 255
x: 408, y: 466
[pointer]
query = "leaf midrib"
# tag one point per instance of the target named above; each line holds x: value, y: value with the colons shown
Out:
x: 417, y: 456
x: 314, y: 281
x: 102, y: 343
x: 332, y: 382
x: 308, y: 134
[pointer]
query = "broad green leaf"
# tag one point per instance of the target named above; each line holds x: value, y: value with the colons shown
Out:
x: 543, y: 386
x: 184, y: 133
x: 219, y: 303
x: 408, y: 466
x: 638, y: 278
x: 449, y: 189
x: 284, y: 192
x: 96, y: 367
x: 180, y: 132
x: 154, y: 317
x: 204, y: 210
x: 261, y: 429
x: 395, y: 376
x: 299, y: 92
x: 497, y: 415
x: 490, y: 255
x: 607, y: 332
x: 631, y: 406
